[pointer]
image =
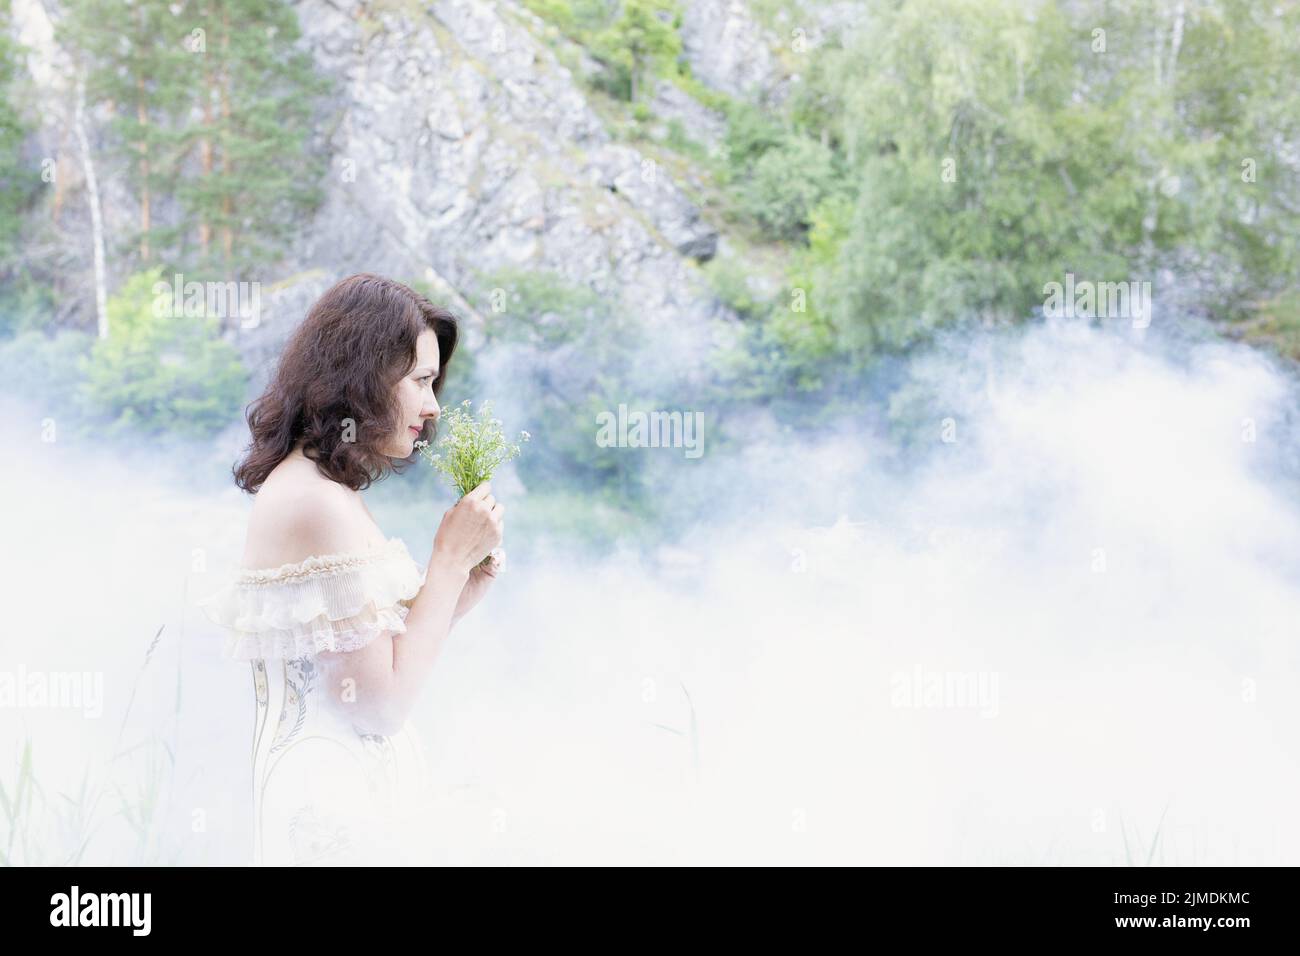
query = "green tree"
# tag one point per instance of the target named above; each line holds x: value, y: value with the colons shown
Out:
x: 643, y: 37
x: 139, y: 66
x: 991, y: 147
x: 213, y: 106
x: 18, y: 181
x: 160, y: 369
x: 568, y: 355
x: 787, y: 183
x: 751, y: 132
x: 255, y: 91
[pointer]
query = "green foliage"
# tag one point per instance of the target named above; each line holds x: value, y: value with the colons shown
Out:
x: 213, y: 107
x: 786, y: 183
x: 567, y: 355
x: 680, y: 141
x: 141, y: 66
x: 682, y: 76
x: 1275, y: 325
x: 18, y: 181
x: 990, y: 147
x: 963, y: 173
x: 470, y: 447
x: 578, y: 19
x: 540, y: 310
x: 258, y: 88
x: 732, y: 282
x: 160, y: 369
x: 48, y: 371
x: 802, y: 330
x: 24, y: 304
x: 778, y: 176
x: 631, y: 38
x: 751, y: 132
x: 642, y: 39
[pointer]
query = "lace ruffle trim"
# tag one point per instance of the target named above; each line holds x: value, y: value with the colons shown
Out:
x: 323, y: 565
x: 335, y: 602
x: 317, y: 637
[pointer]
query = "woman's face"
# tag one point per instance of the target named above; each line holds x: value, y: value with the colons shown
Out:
x: 415, y: 401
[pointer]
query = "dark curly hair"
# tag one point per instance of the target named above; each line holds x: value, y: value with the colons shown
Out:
x: 340, y: 364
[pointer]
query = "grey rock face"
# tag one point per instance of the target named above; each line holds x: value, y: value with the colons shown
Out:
x: 457, y: 145
x: 727, y: 47
x: 462, y: 145
x: 698, y: 121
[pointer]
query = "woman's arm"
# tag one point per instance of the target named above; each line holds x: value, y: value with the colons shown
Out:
x: 378, y: 684
x: 479, y: 583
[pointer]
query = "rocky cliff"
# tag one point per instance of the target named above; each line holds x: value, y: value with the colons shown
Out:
x: 458, y: 142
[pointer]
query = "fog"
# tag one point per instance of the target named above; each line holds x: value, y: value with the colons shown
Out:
x: 1046, y: 617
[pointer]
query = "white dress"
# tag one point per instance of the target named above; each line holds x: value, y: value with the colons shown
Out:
x: 323, y: 793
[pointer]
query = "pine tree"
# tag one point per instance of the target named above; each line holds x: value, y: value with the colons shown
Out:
x: 254, y: 175
x: 212, y: 106
x: 644, y: 36
x: 132, y: 56
x: 18, y: 181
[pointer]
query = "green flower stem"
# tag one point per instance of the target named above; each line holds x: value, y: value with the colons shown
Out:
x: 471, y: 448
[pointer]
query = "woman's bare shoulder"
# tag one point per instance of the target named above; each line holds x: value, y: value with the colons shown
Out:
x: 298, y: 513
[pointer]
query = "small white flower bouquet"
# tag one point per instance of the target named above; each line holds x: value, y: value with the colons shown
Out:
x: 471, y: 447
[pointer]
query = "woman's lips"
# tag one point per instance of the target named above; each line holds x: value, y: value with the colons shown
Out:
x: 415, y: 431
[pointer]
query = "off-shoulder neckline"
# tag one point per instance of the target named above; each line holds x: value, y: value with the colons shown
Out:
x: 321, y: 562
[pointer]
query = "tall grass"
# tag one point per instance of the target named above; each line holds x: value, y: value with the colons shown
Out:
x: 58, y: 829
x: 691, y: 733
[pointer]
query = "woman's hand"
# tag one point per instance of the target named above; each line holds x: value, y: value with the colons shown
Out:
x: 479, y: 583
x: 470, y: 529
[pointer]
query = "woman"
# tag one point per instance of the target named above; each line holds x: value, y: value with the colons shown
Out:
x: 339, y: 623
